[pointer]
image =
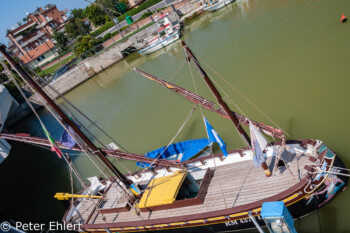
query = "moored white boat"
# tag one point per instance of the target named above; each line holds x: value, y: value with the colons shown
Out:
x: 167, y: 34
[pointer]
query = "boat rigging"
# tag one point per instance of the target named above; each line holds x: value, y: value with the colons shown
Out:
x: 208, y: 193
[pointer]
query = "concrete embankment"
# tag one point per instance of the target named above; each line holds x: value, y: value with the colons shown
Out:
x: 85, y: 70
x: 93, y: 65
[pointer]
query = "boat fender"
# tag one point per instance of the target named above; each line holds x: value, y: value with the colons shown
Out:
x: 343, y: 18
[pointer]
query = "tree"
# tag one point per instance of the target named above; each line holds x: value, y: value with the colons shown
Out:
x: 110, y: 6
x: 95, y: 15
x: 61, y: 40
x: 86, y: 45
x: 78, y: 13
x: 76, y: 27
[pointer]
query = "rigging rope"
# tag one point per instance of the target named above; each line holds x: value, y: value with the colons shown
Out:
x: 243, y: 96
x: 13, y: 79
x: 81, y: 145
x: 236, y: 127
x: 176, y: 71
x: 81, y: 113
x: 87, y: 118
x: 84, y: 148
x: 54, y: 115
x: 211, y: 149
x: 172, y: 140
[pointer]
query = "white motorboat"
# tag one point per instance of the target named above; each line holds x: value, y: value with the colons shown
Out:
x: 167, y: 34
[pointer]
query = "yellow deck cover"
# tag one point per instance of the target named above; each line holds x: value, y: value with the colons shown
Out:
x: 163, y: 190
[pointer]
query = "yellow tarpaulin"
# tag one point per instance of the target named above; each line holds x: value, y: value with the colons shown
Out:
x: 163, y: 190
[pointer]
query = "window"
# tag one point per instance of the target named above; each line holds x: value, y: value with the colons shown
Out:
x: 42, y: 57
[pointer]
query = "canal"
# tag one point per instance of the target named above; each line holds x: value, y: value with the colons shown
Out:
x: 290, y: 58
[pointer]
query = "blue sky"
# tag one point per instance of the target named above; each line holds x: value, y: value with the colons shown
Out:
x: 13, y: 11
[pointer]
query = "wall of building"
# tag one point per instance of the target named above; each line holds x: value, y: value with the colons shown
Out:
x: 34, y: 43
x: 43, y: 58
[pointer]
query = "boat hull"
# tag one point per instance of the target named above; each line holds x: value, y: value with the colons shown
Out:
x: 218, y: 5
x: 306, y: 196
x: 150, y: 49
x: 299, y: 208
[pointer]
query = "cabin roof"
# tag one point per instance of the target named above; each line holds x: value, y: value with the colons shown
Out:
x: 163, y: 190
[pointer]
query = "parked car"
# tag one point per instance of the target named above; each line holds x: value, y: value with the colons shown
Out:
x: 60, y: 71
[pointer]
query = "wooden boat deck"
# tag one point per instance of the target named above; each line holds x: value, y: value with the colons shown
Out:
x: 227, y: 189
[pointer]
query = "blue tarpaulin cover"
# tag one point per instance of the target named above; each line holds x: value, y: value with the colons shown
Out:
x: 180, y: 151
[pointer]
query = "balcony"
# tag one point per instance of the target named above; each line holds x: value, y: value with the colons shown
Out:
x: 23, y: 27
x: 49, y: 19
x: 18, y: 38
x: 34, y: 38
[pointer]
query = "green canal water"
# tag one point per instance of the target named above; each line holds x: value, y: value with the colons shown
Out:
x: 290, y: 58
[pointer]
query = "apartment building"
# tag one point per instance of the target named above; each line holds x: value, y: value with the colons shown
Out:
x: 31, y: 41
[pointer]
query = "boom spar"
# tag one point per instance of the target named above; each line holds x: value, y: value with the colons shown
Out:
x: 269, y: 130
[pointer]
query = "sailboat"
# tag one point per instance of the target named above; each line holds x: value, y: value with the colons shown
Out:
x: 213, y: 193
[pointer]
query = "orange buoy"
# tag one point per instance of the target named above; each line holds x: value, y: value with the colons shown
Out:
x: 343, y: 18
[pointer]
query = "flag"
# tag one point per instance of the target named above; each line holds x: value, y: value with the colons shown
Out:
x: 259, y: 143
x: 213, y: 136
x: 52, y: 142
x: 66, y: 138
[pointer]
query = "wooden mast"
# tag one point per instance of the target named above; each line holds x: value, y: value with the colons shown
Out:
x: 65, y: 119
x: 223, y: 104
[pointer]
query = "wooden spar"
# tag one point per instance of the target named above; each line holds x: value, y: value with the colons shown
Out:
x: 65, y: 119
x: 217, y: 95
x: 111, y: 153
x: 223, y: 104
x: 269, y: 130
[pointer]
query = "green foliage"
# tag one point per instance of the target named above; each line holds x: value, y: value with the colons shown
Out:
x: 145, y: 15
x: 103, y: 28
x: 27, y: 31
x: 95, y: 14
x: 85, y: 45
x: 13, y: 91
x: 52, y: 69
x: 78, y: 13
x: 61, y: 54
x: 76, y: 27
x: 3, y: 78
x: 107, y: 36
x: 142, y: 7
x: 107, y: 18
x: 110, y: 6
x: 7, y: 64
x: 61, y: 40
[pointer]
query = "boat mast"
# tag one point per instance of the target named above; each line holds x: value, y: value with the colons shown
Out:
x: 65, y: 119
x: 222, y: 103
x: 217, y: 95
